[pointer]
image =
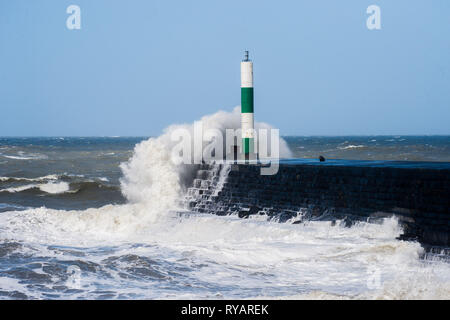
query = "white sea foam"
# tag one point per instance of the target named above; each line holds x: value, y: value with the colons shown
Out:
x: 239, y: 258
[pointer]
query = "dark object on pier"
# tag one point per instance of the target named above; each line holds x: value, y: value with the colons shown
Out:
x: 321, y: 158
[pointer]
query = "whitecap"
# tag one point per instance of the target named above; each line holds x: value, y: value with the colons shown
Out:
x: 351, y: 147
x: 43, y: 178
x: 22, y: 156
x: 50, y: 187
x: 19, y: 189
x: 55, y: 187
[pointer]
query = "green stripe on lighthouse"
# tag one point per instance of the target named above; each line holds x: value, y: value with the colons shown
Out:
x: 247, y: 100
x: 247, y: 145
x: 247, y: 107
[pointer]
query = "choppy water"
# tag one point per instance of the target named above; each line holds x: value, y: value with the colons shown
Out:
x: 410, y: 148
x: 75, y: 223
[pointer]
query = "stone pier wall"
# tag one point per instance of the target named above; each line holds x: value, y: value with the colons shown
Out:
x: 418, y: 196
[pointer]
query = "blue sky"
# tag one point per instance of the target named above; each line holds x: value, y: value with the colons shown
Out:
x: 138, y: 66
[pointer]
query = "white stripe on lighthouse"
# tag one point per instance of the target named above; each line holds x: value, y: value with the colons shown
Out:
x: 247, y: 125
x: 246, y: 74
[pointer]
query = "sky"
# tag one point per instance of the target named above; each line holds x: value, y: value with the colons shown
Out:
x: 137, y: 66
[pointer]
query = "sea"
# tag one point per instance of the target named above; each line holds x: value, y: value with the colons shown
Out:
x: 103, y: 218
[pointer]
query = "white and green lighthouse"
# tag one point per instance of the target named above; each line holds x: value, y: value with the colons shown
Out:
x: 247, y: 120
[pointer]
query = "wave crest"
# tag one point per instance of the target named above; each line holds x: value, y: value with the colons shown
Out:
x: 152, y: 178
x: 50, y: 187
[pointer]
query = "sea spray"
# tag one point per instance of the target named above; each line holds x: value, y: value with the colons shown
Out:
x: 150, y: 177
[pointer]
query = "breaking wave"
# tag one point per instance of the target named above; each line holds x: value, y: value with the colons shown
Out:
x: 23, y: 156
x: 153, y: 179
x: 43, y: 178
x: 93, y: 188
x: 50, y: 187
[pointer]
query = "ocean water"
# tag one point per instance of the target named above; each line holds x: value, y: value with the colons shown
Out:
x: 101, y: 218
x: 402, y: 148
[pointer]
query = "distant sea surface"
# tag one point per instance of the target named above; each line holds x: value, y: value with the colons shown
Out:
x: 409, y: 148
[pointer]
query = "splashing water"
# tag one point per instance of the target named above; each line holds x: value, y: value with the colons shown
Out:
x: 152, y: 179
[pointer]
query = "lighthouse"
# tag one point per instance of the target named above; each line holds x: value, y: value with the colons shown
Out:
x: 247, y: 121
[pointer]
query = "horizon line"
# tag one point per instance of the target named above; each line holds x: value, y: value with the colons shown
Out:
x: 283, y: 136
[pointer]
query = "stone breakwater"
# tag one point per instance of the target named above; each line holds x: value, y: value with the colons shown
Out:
x: 417, y: 193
